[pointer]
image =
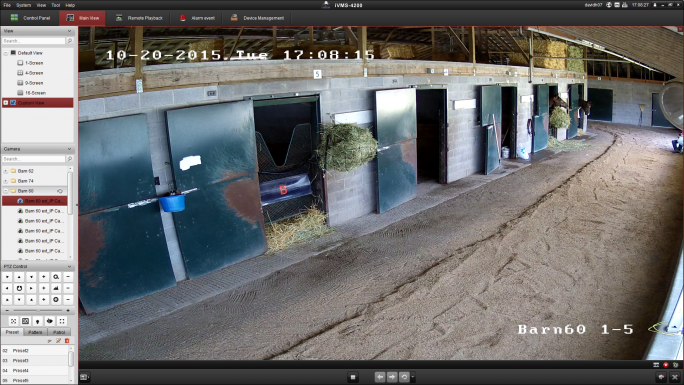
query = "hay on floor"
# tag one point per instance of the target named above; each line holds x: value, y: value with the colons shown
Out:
x: 302, y: 228
x: 566, y: 145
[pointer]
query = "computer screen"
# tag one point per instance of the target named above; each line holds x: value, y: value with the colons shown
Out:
x: 332, y: 192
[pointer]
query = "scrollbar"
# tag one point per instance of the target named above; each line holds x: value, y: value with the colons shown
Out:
x: 70, y: 188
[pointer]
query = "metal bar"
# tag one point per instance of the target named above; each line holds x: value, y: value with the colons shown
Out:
x: 579, y: 58
x: 531, y: 61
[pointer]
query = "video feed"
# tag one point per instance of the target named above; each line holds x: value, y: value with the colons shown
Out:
x: 378, y: 193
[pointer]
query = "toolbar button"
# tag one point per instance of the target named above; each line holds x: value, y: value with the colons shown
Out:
x: 379, y: 377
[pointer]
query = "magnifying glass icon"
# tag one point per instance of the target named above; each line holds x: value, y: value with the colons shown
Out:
x: 69, y: 40
x: 70, y: 158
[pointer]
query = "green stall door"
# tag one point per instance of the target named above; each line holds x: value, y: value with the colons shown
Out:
x: 114, y: 164
x: 397, y: 162
x: 573, y: 111
x: 122, y: 247
x: 213, y: 153
x: 540, y: 121
x: 122, y: 255
x: 490, y: 118
x: 601, y: 104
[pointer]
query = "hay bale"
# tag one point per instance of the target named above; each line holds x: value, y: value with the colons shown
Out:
x: 575, y: 65
x: 559, y: 118
x: 302, y: 228
x: 344, y: 147
x: 201, y: 45
x: 397, y: 51
x: 542, y: 48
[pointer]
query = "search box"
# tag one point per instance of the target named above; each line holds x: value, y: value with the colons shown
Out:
x: 34, y: 158
x: 37, y: 40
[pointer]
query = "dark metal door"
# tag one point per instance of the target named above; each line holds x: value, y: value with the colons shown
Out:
x: 601, y: 104
x: 396, y: 131
x: 122, y: 247
x: 490, y: 116
x: 122, y: 255
x: 657, y: 116
x: 443, y: 138
x: 213, y: 150
x: 540, y: 136
x: 573, y: 110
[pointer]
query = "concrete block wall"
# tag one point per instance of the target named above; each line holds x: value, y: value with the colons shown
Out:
x: 349, y: 195
x: 626, y: 99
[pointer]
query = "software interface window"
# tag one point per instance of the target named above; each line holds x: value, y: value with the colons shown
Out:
x: 330, y: 192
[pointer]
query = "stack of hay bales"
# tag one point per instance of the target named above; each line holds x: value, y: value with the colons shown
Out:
x: 205, y: 45
x: 575, y: 65
x: 542, y: 48
x: 395, y: 51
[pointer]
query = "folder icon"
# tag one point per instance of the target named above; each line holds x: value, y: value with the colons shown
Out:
x: 13, y: 190
x: 14, y: 170
x: 13, y: 180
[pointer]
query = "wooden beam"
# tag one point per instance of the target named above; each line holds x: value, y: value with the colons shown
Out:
x: 458, y: 41
x: 232, y: 49
x: 311, y: 39
x: 364, y: 45
x: 585, y: 62
x: 114, y: 62
x: 516, y: 45
x: 472, y: 44
x: 504, y: 42
x: 434, y: 43
x: 275, y: 37
x: 137, y: 48
x: 91, y: 40
x: 349, y: 34
x: 629, y: 70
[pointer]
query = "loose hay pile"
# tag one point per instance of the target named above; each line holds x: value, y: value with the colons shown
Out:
x: 575, y: 65
x: 559, y: 118
x: 344, y: 147
x: 566, y: 145
x: 542, y: 48
x: 302, y: 228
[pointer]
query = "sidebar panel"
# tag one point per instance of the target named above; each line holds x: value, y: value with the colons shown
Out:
x: 39, y: 137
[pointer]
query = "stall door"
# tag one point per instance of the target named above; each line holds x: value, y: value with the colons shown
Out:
x: 658, y: 118
x: 122, y: 247
x: 601, y: 104
x: 490, y: 118
x: 540, y: 136
x: 213, y: 150
x: 573, y: 110
x: 397, y: 162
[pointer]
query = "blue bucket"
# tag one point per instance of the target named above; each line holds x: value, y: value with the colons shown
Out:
x: 173, y: 204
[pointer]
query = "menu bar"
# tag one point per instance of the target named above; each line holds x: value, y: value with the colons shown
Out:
x: 258, y: 18
x: 341, y: 5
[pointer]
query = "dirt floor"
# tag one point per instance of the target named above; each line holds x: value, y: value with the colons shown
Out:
x: 582, y: 238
